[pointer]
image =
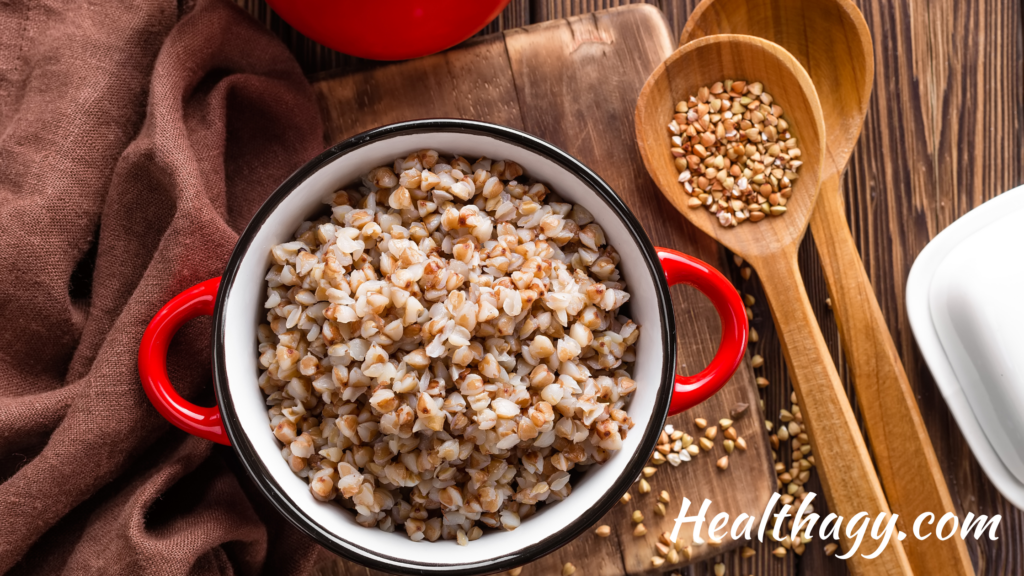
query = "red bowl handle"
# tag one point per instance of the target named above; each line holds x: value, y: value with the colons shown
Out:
x: 682, y: 269
x: 199, y: 301
x: 196, y: 420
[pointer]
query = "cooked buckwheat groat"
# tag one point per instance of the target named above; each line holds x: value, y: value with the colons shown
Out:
x: 444, y: 347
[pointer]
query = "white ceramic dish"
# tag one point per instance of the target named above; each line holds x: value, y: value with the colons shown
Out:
x: 241, y: 416
x: 969, y: 331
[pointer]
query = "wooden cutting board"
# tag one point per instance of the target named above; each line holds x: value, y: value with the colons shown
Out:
x: 574, y: 82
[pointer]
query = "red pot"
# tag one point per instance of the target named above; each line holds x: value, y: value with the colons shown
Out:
x: 388, y: 29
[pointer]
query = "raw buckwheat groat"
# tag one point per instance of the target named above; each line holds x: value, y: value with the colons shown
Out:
x: 445, y: 346
x: 734, y: 151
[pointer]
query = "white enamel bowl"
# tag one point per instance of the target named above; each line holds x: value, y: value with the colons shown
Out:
x: 242, y: 420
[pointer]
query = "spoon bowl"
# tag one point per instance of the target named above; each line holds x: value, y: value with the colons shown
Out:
x: 715, y: 59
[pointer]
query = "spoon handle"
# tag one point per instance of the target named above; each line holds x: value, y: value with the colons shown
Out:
x: 910, y: 471
x: 841, y: 456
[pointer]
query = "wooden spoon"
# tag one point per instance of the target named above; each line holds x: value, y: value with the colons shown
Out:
x: 770, y: 246
x: 831, y: 40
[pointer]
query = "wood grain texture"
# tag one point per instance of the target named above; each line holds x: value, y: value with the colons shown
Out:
x: 914, y: 481
x: 922, y: 161
x: 849, y: 478
x: 541, y: 79
x: 942, y: 134
x: 846, y: 470
x: 842, y: 460
x: 622, y: 41
x: 833, y: 43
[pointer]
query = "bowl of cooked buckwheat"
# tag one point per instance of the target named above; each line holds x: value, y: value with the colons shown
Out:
x: 443, y: 346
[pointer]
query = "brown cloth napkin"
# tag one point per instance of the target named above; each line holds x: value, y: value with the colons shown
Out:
x: 136, y: 141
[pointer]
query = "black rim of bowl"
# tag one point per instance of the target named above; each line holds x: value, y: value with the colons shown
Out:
x: 377, y: 559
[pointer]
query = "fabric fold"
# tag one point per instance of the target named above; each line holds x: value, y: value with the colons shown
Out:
x: 136, y: 141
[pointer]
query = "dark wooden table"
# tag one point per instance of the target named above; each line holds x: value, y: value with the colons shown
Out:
x: 944, y: 133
